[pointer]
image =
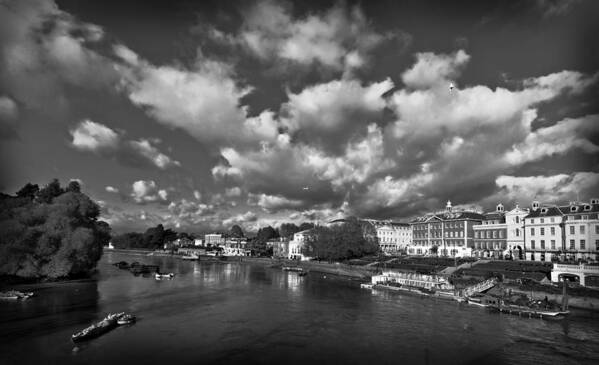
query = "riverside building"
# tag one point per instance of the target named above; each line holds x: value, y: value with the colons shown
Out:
x: 490, y: 237
x: 544, y: 233
x: 514, y: 220
x: 393, y: 237
x: 581, y: 226
x: 448, y: 233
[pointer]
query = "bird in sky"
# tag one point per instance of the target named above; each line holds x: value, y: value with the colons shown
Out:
x: 451, y: 86
x: 306, y: 188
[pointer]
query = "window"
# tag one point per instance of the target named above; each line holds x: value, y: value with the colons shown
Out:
x: 532, y: 231
x: 572, y: 244
x: 597, y: 245
x: 583, y: 244
x: 553, y: 231
x: 518, y: 232
x: 517, y: 219
x: 581, y: 229
x: 542, y: 220
x: 597, y: 228
x: 553, y: 244
x: 532, y: 221
x: 494, y: 234
x: 552, y: 219
x: 532, y: 244
x: 542, y: 244
x: 571, y: 229
x: 542, y: 231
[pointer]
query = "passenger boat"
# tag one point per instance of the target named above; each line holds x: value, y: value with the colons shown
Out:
x: 97, y: 329
x: 164, y: 276
x: 528, y: 311
x: 126, y: 319
x: 292, y: 268
x: 14, y: 295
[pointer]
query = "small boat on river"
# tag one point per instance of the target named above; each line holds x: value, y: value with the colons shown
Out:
x: 191, y: 257
x: 164, y: 276
x: 110, y: 322
x: 15, y: 295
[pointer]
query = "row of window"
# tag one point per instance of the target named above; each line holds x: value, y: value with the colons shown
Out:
x: 581, y: 246
x: 488, y: 234
x: 424, y: 227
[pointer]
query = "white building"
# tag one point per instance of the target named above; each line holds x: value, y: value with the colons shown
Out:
x: 214, y: 239
x: 581, y: 223
x: 393, y: 237
x: 543, y: 234
x: 514, y: 220
x: 296, y: 246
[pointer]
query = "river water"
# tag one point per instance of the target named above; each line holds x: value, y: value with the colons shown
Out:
x: 229, y: 313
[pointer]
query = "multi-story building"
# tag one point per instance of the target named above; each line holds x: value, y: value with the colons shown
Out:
x: 581, y: 228
x: 490, y: 237
x: 448, y: 233
x: 544, y: 233
x: 393, y: 237
x: 296, y: 249
x: 214, y: 239
x: 514, y: 220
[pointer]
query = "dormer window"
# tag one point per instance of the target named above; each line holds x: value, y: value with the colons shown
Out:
x: 587, y: 207
x: 573, y: 208
x: 543, y: 210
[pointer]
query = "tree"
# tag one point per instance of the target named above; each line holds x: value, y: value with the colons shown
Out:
x: 236, y: 232
x: 74, y: 186
x: 305, y: 226
x: 288, y: 229
x: 341, y: 242
x: 28, y: 191
x: 49, y: 192
x: 154, y: 237
x: 54, y: 236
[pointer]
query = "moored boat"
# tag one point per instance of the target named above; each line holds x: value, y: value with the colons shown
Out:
x: 97, y: 329
x: 190, y: 257
x: 14, y: 295
x: 164, y: 276
x: 126, y: 319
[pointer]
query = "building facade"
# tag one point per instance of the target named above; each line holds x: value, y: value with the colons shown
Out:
x: 297, y: 245
x: 490, y: 237
x: 393, y: 237
x: 214, y: 239
x: 448, y: 233
x: 543, y: 232
x: 514, y: 220
x: 581, y: 231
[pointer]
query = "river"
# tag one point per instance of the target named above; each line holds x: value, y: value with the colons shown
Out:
x: 228, y: 313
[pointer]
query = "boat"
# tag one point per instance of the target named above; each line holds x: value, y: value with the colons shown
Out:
x: 122, y: 265
x: 126, y: 319
x: 482, y: 300
x: 529, y: 311
x: 292, y: 268
x: 164, y: 276
x: 191, y: 257
x: 367, y: 286
x: 303, y: 273
x: 14, y: 295
x: 97, y: 329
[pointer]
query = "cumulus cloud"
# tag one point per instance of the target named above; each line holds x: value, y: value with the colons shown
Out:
x: 548, y: 189
x: 339, y: 39
x: 100, y: 139
x: 559, y: 138
x: 433, y: 69
x: 203, y: 101
x: 112, y: 189
x: 45, y: 50
x: 240, y: 219
x: 145, y: 191
x: 329, y: 114
x: 273, y: 202
x: 95, y: 137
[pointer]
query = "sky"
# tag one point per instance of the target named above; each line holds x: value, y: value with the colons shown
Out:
x: 204, y: 114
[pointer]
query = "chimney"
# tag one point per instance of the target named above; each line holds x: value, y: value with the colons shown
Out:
x: 448, y: 206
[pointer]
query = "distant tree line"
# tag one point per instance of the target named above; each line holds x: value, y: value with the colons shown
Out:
x: 153, y: 238
x: 52, y: 232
